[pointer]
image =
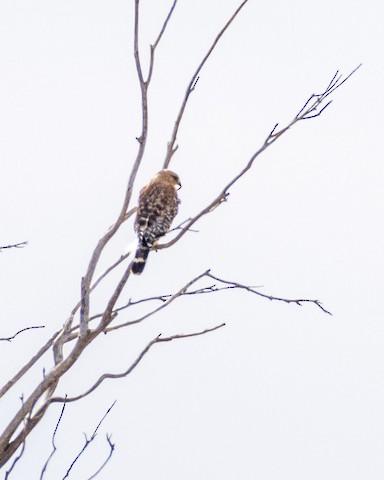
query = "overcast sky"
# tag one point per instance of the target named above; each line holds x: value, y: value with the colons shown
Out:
x: 282, y: 392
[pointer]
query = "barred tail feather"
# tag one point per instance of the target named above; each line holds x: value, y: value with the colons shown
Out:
x: 140, y: 259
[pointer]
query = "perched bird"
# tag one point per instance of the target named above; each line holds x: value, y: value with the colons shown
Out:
x: 158, y: 205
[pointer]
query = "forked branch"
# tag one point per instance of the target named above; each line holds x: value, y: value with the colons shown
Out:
x: 88, y: 441
x: 105, y: 376
x: 311, y: 109
x: 172, y: 147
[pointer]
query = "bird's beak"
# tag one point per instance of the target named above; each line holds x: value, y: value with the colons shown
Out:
x: 179, y: 185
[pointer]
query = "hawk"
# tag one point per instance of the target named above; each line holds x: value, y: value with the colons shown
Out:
x: 158, y: 205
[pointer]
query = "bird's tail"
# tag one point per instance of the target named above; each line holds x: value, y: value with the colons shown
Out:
x: 140, y: 259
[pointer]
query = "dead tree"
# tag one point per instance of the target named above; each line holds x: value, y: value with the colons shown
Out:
x: 83, y: 324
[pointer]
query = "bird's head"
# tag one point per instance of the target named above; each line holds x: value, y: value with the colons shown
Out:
x: 169, y: 176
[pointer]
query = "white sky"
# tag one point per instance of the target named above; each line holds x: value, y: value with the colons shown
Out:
x: 283, y: 392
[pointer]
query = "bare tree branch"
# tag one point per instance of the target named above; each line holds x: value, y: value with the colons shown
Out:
x: 9, y: 339
x: 167, y: 299
x: 28, y: 365
x: 99, y: 280
x: 54, y: 448
x: 153, y: 47
x: 17, y: 458
x: 171, y: 147
x: 299, y: 301
x: 88, y: 441
x: 105, y: 376
x: 179, y: 227
x: 15, y: 245
x: 111, y: 450
x: 309, y: 110
x: 8, y: 447
x: 161, y: 307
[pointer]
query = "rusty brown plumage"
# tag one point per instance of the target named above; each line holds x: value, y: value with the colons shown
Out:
x: 158, y: 205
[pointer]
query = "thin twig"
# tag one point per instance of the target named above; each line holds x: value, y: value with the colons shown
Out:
x: 111, y: 450
x: 16, y: 459
x: 171, y: 147
x: 298, y: 301
x: 54, y: 448
x: 164, y: 298
x: 14, y: 245
x: 88, y: 441
x: 9, y: 339
x: 157, y: 41
x: 180, y: 226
